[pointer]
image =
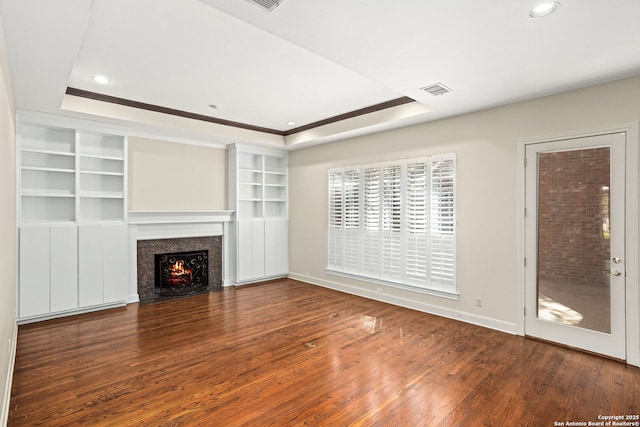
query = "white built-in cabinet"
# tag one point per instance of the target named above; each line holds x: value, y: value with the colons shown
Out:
x: 102, y: 264
x: 72, y: 213
x: 49, y: 281
x: 258, y: 194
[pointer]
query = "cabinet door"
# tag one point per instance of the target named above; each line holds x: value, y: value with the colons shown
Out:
x: 276, y: 237
x: 90, y: 266
x: 34, y: 271
x: 245, y: 256
x: 64, y: 268
x: 250, y: 250
x: 115, y: 262
x: 257, y: 248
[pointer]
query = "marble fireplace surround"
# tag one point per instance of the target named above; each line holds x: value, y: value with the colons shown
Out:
x: 171, y: 228
x: 147, y: 249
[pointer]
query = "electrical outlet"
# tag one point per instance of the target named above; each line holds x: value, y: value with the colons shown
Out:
x: 478, y: 302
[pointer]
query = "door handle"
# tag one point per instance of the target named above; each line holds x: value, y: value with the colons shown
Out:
x: 613, y: 273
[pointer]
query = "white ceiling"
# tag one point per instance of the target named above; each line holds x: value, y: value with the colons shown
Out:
x: 310, y: 60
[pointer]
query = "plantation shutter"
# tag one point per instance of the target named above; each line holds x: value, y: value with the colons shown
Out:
x: 335, y: 219
x: 391, y: 261
x: 416, y: 222
x: 351, y: 253
x: 395, y: 223
x: 371, y: 218
x: 442, y: 222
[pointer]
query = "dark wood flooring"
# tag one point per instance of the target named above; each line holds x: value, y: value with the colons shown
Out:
x: 288, y: 353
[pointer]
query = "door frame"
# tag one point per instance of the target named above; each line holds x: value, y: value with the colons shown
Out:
x: 632, y: 339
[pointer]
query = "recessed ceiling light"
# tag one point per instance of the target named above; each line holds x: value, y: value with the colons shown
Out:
x: 100, y: 79
x: 291, y: 123
x: 544, y: 9
x: 215, y: 106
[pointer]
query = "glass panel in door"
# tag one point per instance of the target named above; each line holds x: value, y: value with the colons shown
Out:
x: 574, y: 251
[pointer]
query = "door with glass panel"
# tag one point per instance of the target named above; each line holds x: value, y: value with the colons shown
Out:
x: 575, y: 243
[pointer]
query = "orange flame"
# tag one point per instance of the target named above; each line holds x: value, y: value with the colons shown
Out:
x: 178, y: 271
x: 178, y: 267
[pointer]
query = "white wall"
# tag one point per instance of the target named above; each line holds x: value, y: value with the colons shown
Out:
x: 167, y: 176
x: 485, y: 143
x: 8, y: 301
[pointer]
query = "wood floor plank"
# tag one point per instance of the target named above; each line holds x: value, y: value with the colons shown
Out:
x: 288, y: 353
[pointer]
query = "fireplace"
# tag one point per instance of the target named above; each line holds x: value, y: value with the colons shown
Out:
x: 181, y: 273
x: 173, y: 250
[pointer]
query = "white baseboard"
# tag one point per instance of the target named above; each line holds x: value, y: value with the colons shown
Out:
x: 49, y: 316
x: 253, y: 281
x: 462, y: 316
x: 4, y: 415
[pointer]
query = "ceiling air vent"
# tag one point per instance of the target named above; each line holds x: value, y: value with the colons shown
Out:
x: 268, y: 5
x: 436, y: 89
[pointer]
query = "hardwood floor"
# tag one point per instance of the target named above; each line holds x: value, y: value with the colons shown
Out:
x: 289, y: 353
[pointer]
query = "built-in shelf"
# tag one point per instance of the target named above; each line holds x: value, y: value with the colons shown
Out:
x: 72, y: 211
x: 102, y: 173
x: 100, y: 145
x: 261, y: 183
x: 47, y: 139
x: 102, y: 195
x: 45, y: 152
x: 98, y: 209
x: 96, y: 156
x: 59, y: 165
x: 45, y: 169
x: 41, y: 160
x: 47, y: 209
x: 46, y: 193
x: 258, y: 193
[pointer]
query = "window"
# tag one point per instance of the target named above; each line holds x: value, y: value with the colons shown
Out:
x: 394, y: 223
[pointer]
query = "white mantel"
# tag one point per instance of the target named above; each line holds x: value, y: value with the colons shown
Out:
x: 176, y: 225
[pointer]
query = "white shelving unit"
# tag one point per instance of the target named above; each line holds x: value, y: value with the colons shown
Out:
x: 72, y: 186
x: 47, y: 174
x: 68, y: 175
x: 258, y: 194
x: 101, y: 177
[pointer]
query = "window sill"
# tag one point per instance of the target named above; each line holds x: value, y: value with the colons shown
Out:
x: 433, y: 292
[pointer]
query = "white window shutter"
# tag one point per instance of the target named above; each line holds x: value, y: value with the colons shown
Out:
x: 442, y: 222
x: 336, y: 203
x: 371, y: 221
x: 395, y: 222
x: 351, y: 252
x: 416, y: 222
x: 391, y: 222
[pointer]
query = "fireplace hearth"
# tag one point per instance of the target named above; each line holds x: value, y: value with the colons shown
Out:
x: 181, y: 273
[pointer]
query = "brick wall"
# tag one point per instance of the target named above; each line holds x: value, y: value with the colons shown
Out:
x: 573, y: 205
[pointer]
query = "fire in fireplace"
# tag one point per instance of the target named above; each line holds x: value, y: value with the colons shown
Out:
x: 182, y: 273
